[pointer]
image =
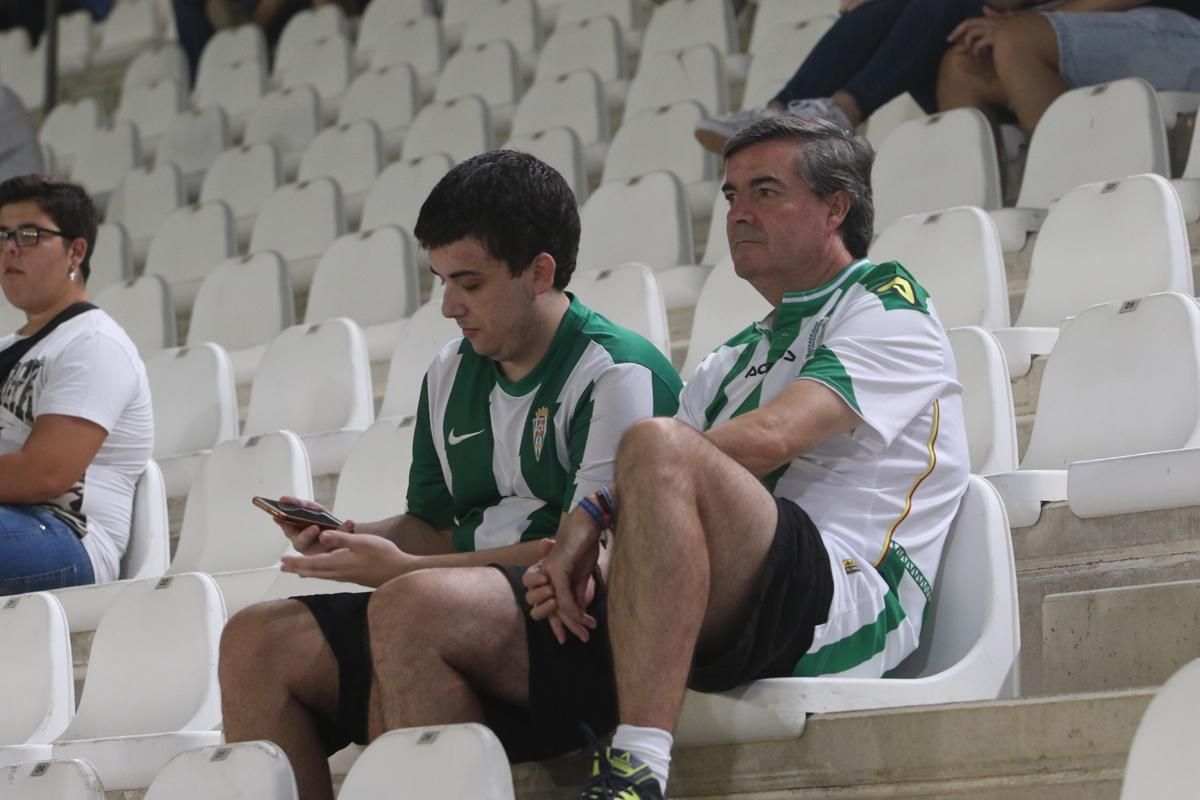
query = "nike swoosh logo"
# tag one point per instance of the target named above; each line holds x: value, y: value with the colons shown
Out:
x: 453, y: 440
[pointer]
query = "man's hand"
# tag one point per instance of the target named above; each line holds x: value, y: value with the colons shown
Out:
x: 306, y: 541
x: 345, y: 556
x: 560, y: 586
x: 977, y: 35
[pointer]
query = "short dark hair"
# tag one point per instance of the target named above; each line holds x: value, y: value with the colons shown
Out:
x: 831, y: 160
x: 68, y: 204
x: 515, y: 206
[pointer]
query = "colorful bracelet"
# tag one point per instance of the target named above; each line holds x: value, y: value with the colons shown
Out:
x: 607, y: 503
x: 599, y: 517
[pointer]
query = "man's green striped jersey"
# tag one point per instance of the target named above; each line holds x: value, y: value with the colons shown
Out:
x: 499, y: 461
x: 883, y: 495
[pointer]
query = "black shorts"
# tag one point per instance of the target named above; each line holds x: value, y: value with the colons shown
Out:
x: 572, y: 691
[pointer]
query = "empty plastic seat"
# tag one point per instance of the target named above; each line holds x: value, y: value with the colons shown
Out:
x: 378, y: 17
x: 696, y: 73
x: 230, y: 46
x: 726, y: 306
x: 151, y: 108
x: 236, y: 88
x: 1095, y: 133
x: 352, y: 156
x: 940, y: 161
x: 112, y: 258
x: 1188, y: 185
x: 373, y: 481
x: 443, y: 760
x: 562, y: 150
x: 1162, y: 763
x: 299, y: 222
x: 108, y: 155
x: 459, y: 128
x: 242, y: 771
x: 488, y: 71
x: 773, y: 15
x: 371, y: 278
x: 243, y: 178
x: 288, y: 119
x: 162, y: 62
x: 628, y: 295
x: 131, y: 26
x: 77, y: 41
x: 71, y: 779
x: 25, y: 74
x: 195, y: 408
x: 778, y: 53
x: 192, y: 142
x: 517, y: 22
x: 418, y: 43
x: 969, y: 648
x: 37, y: 670
x: 242, y: 305
x: 143, y: 200
x: 891, y: 115
x: 188, y: 245
x: 426, y: 333
x: 987, y: 400
x: 325, y: 65
x: 389, y: 97
x: 678, y: 24
x: 304, y: 28
x: 144, y: 310
x: 628, y: 14
x: 396, y: 195
x: 68, y: 129
x: 576, y: 101
x: 956, y: 255
x: 1123, y: 379
x: 151, y: 688
x: 1101, y: 242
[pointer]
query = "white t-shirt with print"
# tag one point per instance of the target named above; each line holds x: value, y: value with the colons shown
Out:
x: 87, y: 368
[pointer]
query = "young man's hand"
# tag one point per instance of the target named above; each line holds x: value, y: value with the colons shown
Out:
x: 561, y: 585
x: 306, y: 540
x: 345, y: 556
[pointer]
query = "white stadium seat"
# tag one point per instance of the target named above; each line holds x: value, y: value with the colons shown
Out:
x: 969, y: 646
x: 72, y: 779
x: 628, y: 295
x: 374, y: 480
x: 78, y: 40
x: 243, y: 771
x: 1162, y: 762
x: 352, y: 156
x: 192, y: 142
x: 299, y: 222
x: 440, y: 760
x: 940, y: 161
x: 108, y: 155
x: 1099, y: 243
x: 957, y: 257
x: 69, y: 127
x: 304, y: 28
x: 1123, y: 379
x: 243, y: 178
x: 37, y: 671
x: 418, y: 43
x: 143, y: 200
x: 987, y: 400
x: 697, y: 73
x: 517, y: 22
x: 130, y: 27
x: 370, y: 277
x: 242, y: 305
x: 112, y: 257
x: 231, y: 46
x: 397, y: 194
x: 378, y: 17
x: 678, y: 24
x: 774, y: 15
x: 389, y: 97
x: 236, y: 88
x: 459, y: 128
x: 488, y: 71
x: 188, y: 244
x: 151, y: 687
x: 1188, y: 185
x: 325, y: 65
x: 424, y: 336
x: 289, y: 119
x: 151, y: 108
x: 778, y: 53
x: 144, y: 309
x: 891, y: 115
x: 630, y: 15
x: 561, y: 149
x: 726, y: 306
x: 165, y: 61
x: 595, y: 44
x: 574, y: 101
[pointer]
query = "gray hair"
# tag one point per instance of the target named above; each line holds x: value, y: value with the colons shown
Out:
x: 831, y: 160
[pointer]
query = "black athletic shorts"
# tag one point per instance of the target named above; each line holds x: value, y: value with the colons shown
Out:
x: 572, y: 686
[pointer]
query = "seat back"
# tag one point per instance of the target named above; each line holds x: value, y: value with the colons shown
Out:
x: 379, y: 16
x: 242, y: 771
x: 628, y: 295
x: 153, y: 665
x: 1162, y: 759
x: 777, y: 49
x: 289, y: 119
x: 1104, y: 242
x: 488, y: 71
x: 727, y: 305
x: 299, y: 222
x: 243, y: 178
x: 145, y: 197
x: 230, y: 46
x: 373, y: 482
x: 350, y: 154
x: 144, y: 309
x: 388, y: 96
x: 575, y: 101
x: 105, y: 159
x: 643, y: 219
x: 626, y: 13
x: 773, y: 15
x: 195, y: 399
x: 987, y: 400
x: 426, y: 333
x: 593, y: 43
x: 370, y: 277
x: 165, y: 61
x: 237, y: 87
x: 313, y: 379
x: 221, y: 530
x: 112, y: 257
x: 561, y: 149
x: 940, y: 161
x: 194, y: 139
x: 130, y: 23
x: 60, y: 779
x: 189, y: 244
x: 324, y: 64
x: 1094, y: 133
x: 716, y: 247
x: 151, y: 108
x: 660, y: 139
x: 304, y: 28
x: 416, y: 42
x: 149, y: 549
x: 244, y: 302
x: 679, y: 24
x: 70, y: 126
x: 957, y: 257
x: 1123, y: 378
x: 460, y: 128
x: 697, y: 74
x: 36, y: 669
x: 514, y: 21
x: 396, y: 196
x: 445, y: 760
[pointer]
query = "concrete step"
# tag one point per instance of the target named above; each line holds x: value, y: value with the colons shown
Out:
x: 1119, y: 638
x: 1065, y: 748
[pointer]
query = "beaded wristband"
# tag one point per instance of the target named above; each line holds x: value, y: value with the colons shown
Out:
x: 598, y: 516
x: 605, y: 498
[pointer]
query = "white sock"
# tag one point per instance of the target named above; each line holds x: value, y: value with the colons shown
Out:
x: 651, y: 745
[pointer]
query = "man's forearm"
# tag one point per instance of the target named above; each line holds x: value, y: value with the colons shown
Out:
x: 21, y: 482
x: 521, y: 554
x: 411, y: 534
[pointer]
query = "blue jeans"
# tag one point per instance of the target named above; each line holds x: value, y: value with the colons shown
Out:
x: 880, y: 50
x: 39, y: 551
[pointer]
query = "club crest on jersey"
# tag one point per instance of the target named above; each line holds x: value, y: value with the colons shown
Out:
x: 540, y: 418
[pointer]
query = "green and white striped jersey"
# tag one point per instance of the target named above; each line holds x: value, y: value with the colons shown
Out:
x: 883, y: 495
x: 499, y: 461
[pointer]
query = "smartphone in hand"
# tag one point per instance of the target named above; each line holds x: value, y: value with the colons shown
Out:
x: 297, y: 515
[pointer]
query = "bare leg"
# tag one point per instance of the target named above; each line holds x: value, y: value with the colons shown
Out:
x: 849, y: 106
x: 1026, y: 57
x: 438, y: 636
x: 278, y: 675
x: 688, y: 512
x: 968, y: 82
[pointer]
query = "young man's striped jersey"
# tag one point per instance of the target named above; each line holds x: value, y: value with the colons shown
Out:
x: 882, y: 496
x: 499, y: 461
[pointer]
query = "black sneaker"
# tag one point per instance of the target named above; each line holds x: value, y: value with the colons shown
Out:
x: 620, y: 775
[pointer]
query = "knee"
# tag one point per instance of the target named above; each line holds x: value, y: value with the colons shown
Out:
x: 954, y: 80
x: 404, y: 608
x: 651, y: 446
x: 1022, y: 39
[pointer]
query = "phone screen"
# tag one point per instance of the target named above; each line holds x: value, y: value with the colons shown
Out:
x: 297, y: 514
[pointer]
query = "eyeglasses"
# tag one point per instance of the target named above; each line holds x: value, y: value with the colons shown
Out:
x: 27, y: 235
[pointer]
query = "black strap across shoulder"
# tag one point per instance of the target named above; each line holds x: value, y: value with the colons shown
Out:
x: 11, y: 355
